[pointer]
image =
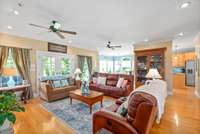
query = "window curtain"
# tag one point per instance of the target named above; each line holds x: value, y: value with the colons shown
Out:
x: 89, y: 62
x: 22, y: 60
x: 3, y: 57
x: 81, y: 60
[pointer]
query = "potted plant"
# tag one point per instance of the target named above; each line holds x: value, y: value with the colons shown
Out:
x: 8, y: 105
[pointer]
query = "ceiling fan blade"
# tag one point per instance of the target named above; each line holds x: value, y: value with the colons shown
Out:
x: 39, y: 26
x: 68, y: 32
x: 60, y: 35
x: 117, y: 46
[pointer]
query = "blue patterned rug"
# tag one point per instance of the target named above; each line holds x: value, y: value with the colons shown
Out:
x: 76, y: 115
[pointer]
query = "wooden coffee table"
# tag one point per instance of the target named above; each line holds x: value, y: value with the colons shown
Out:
x: 90, y: 99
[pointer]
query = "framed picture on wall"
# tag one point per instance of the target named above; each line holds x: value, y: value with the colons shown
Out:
x: 52, y: 47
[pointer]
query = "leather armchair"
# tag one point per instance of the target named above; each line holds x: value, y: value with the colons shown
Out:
x: 142, y: 109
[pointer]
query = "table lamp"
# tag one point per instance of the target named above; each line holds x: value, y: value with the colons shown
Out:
x: 10, y: 72
x: 77, y: 73
x: 153, y: 73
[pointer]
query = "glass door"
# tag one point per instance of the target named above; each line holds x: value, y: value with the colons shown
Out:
x: 53, y: 65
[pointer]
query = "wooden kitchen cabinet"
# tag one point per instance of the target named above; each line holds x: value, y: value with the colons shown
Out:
x: 182, y: 58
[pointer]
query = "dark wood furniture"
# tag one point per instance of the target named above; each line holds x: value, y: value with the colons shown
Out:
x: 146, y: 59
x: 90, y: 99
x: 23, y: 88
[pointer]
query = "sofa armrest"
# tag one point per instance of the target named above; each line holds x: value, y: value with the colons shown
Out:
x: 78, y: 83
x: 128, y: 89
x: 45, y: 91
x: 112, y: 122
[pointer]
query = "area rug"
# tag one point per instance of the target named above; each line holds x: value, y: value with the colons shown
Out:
x: 76, y: 115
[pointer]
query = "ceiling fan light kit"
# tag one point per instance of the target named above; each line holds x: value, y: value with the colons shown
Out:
x: 55, y: 27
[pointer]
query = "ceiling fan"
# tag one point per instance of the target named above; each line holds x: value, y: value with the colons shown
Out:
x: 112, y: 46
x: 55, y: 28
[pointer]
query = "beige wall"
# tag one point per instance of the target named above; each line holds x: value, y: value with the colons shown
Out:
x: 168, y: 59
x: 197, y: 76
x: 37, y: 45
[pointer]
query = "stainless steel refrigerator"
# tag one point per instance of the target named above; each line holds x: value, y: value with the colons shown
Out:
x: 190, y: 73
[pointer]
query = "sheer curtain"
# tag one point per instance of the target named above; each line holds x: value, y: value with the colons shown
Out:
x: 3, y: 57
x: 22, y: 60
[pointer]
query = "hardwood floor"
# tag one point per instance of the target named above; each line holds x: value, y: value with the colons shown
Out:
x: 182, y: 116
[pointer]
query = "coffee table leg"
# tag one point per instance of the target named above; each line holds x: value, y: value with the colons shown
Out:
x: 70, y: 100
x: 101, y: 103
x: 90, y: 106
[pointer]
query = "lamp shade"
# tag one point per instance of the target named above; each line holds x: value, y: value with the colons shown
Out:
x: 153, y: 73
x: 9, y: 71
x: 77, y: 71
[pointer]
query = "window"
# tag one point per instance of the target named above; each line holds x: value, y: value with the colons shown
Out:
x: 116, y: 64
x: 65, y: 66
x: 48, y: 68
x: 10, y: 64
x: 53, y: 65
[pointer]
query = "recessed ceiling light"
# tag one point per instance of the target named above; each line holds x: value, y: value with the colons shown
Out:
x: 181, y: 34
x: 146, y: 40
x: 185, y: 4
x: 10, y: 27
x: 16, y: 12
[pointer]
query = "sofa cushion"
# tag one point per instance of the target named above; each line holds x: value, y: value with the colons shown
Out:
x: 56, y: 83
x: 120, y: 82
x: 64, y: 82
x: 71, y: 81
x: 124, y: 83
x: 111, y: 83
x: 101, y: 80
x: 112, y: 77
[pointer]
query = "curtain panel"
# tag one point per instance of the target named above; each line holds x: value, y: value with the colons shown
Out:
x: 3, y: 57
x: 22, y: 60
x: 81, y: 60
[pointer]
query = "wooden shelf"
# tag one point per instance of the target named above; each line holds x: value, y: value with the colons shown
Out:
x: 148, y: 59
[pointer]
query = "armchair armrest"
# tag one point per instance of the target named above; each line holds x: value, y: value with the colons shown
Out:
x: 112, y: 122
x: 121, y: 100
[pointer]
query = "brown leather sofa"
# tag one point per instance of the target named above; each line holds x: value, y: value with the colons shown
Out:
x: 110, y: 88
x: 48, y: 93
x: 141, y: 113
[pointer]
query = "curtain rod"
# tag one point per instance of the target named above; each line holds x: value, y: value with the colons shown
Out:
x: 16, y: 47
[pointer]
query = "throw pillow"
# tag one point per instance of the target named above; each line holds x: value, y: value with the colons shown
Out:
x: 56, y: 83
x: 101, y: 80
x: 71, y: 81
x: 94, y: 80
x: 124, y: 83
x: 122, y: 110
x: 120, y: 82
x: 64, y: 83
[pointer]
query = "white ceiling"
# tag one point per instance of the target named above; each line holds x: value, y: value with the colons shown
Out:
x: 123, y: 22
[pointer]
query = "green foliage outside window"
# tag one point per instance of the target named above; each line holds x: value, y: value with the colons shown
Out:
x: 48, y: 66
x: 65, y: 66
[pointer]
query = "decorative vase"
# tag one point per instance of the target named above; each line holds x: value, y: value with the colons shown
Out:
x: 7, y: 128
